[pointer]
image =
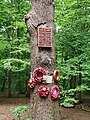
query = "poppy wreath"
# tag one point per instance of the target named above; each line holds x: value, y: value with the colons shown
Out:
x: 43, y: 91
x: 38, y: 74
x: 56, y: 75
x: 54, y: 92
x: 31, y: 83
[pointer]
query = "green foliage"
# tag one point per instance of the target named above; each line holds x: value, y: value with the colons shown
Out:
x: 27, y: 119
x: 14, y: 64
x: 19, y: 110
x: 81, y: 88
x: 66, y: 97
x: 69, y: 102
x: 72, y: 38
x: 14, y: 43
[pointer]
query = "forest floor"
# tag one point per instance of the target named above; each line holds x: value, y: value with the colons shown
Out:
x: 7, y: 105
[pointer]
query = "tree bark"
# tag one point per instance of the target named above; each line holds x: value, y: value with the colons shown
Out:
x: 9, y: 83
x: 3, y: 87
x: 80, y: 82
x: 42, y: 15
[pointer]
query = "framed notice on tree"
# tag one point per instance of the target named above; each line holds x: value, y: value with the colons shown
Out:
x: 44, y: 37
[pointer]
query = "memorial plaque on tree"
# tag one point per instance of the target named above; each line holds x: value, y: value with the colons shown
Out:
x: 44, y: 37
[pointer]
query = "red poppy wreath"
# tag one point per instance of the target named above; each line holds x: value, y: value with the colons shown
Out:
x: 43, y: 90
x: 56, y: 75
x: 54, y: 92
x: 31, y: 83
x: 38, y: 74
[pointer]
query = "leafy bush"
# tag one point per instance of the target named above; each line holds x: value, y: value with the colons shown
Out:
x: 67, y: 96
x: 19, y: 110
x: 69, y: 102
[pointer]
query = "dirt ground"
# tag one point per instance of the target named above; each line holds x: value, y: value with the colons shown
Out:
x: 7, y: 105
x: 76, y: 113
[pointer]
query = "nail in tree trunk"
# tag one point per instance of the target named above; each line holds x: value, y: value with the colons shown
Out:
x: 42, y: 15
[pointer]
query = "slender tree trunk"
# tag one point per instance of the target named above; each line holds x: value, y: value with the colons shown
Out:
x: 42, y: 15
x: 80, y: 81
x: 64, y: 84
x: 9, y: 83
x: 71, y: 82
x: 3, y: 87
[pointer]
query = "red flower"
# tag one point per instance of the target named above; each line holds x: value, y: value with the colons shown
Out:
x: 38, y: 74
x: 32, y: 83
x: 54, y: 92
x: 43, y: 91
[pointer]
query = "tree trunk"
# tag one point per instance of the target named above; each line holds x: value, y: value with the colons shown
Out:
x: 3, y: 87
x: 9, y: 83
x: 42, y: 15
x: 80, y: 81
